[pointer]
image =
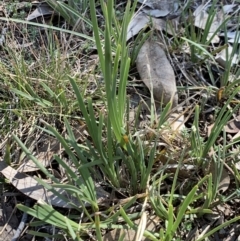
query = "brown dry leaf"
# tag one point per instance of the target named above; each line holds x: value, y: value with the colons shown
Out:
x: 156, y: 12
x: 201, y: 20
x: 31, y: 188
x: 224, y: 182
x: 233, y: 126
x: 185, y: 171
x: 233, y: 36
x: 169, y: 26
x: 177, y: 122
x: 223, y: 57
x: 141, y: 19
x: 51, y: 147
x: 44, y: 155
x: 44, y: 158
x: 157, y: 73
x: 170, y: 6
x: 209, y: 129
x: 228, y: 8
x: 138, y: 22
x: 42, y: 10
x: 130, y: 234
x: 225, y: 179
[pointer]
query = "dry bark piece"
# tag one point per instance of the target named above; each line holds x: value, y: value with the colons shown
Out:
x: 157, y: 73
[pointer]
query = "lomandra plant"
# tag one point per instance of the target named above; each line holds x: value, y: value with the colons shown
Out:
x: 113, y: 54
x: 114, y: 62
x: 124, y: 161
x: 110, y: 148
x: 115, y: 36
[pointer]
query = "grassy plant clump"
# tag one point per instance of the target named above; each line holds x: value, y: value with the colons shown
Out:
x: 66, y: 107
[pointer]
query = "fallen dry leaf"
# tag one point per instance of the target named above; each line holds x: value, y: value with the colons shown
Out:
x: 169, y: 26
x: 141, y: 20
x: 31, y: 188
x: 224, y: 180
x: 202, y: 20
x: 157, y: 73
x: 42, y: 10
x: 177, y: 122
x: 224, y: 56
x: 150, y: 12
x: 156, y: 12
x: 130, y: 234
x: 233, y: 37
x: 209, y: 129
x: 169, y: 6
x: 44, y: 155
x: 138, y: 22
x: 50, y: 147
x: 228, y: 8
x: 233, y: 126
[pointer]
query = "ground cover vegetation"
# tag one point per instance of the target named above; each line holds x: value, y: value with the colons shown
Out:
x: 89, y: 150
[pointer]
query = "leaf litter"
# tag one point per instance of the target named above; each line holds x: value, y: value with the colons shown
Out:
x: 43, y: 9
x: 145, y: 16
x: 133, y: 31
x: 30, y: 187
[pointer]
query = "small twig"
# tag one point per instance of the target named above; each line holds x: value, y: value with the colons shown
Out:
x: 21, y: 224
